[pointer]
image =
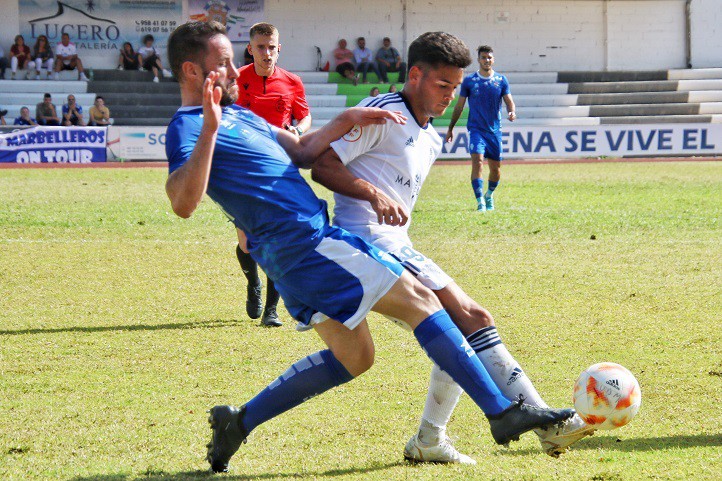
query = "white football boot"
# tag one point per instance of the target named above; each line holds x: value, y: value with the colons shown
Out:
x: 555, y: 439
x: 444, y: 452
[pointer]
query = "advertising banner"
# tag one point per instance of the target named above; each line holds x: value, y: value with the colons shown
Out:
x: 98, y: 28
x: 597, y: 141
x: 237, y: 15
x: 138, y: 143
x: 75, y: 145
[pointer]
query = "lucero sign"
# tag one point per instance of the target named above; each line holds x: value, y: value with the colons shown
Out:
x: 520, y: 141
x: 76, y: 145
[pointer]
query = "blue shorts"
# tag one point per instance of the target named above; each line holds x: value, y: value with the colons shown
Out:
x: 486, y: 144
x: 342, y: 279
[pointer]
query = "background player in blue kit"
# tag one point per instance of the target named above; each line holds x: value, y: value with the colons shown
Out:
x: 485, y: 90
x: 329, y: 279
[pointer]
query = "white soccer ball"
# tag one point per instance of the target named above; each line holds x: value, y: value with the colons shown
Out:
x: 607, y: 395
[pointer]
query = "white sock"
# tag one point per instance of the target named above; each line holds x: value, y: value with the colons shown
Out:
x: 504, y: 370
x: 441, y: 400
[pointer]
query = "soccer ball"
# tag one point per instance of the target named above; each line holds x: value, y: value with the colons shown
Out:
x: 607, y: 396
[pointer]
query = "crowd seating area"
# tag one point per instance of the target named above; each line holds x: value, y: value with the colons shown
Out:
x: 548, y: 98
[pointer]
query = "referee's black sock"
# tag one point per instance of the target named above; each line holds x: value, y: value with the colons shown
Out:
x: 272, y: 295
x: 249, y: 266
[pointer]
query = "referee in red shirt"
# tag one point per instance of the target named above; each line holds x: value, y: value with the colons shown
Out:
x: 279, y: 97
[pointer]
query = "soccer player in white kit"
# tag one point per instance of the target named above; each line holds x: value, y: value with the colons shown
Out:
x: 376, y: 173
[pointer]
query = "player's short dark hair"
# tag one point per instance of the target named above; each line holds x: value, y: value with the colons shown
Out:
x: 434, y: 49
x: 189, y: 43
x: 148, y: 38
x: 262, y: 28
x: 484, y: 49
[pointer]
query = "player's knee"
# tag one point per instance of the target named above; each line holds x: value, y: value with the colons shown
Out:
x: 358, y: 360
x: 427, y: 299
x: 482, y: 316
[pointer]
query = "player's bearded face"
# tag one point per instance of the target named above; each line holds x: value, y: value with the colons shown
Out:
x: 229, y: 89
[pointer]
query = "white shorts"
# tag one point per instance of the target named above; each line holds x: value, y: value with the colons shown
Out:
x: 423, y: 268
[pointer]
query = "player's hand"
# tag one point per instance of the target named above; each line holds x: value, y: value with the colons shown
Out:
x: 512, y: 116
x: 212, y: 102
x: 389, y: 212
x: 371, y: 115
x: 449, y: 135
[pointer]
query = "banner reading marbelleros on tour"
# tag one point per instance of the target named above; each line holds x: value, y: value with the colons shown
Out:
x: 98, y: 28
x: 75, y: 145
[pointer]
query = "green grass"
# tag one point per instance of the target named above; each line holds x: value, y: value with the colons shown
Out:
x: 120, y: 325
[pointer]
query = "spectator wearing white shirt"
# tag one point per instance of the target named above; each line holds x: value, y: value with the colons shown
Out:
x: 149, y: 59
x: 66, y: 58
x: 364, y: 59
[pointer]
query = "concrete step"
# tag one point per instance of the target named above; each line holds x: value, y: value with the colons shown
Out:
x: 540, y: 89
x: 65, y: 75
x: 710, y: 108
x: 615, y: 76
x: 516, y: 78
x: 31, y: 99
x: 148, y: 111
x: 705, y: 96
x: 148, y: 121
x: 695, y: 74
x: 313, y: 77
x: 43, y: 86
x: 622, y: 87
x: 326, y: 101
x: 142, y: 99
x: 545, y: 100
x: 108, y: 87
x: 657, y: 119
x: 321, y: 89
x: 643, y: 110
x: 633, y: 98
x: 113, y: 75
x: 708, y: 84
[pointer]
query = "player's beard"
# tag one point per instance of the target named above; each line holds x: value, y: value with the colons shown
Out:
x: 229, y: 93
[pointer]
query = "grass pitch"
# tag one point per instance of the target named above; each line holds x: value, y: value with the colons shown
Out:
x: 120, y: 325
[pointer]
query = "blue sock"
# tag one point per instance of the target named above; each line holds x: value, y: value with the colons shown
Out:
x: 308, y: 377
x: 446, y: 346
x: 478, y: 186
x: 490, y: 189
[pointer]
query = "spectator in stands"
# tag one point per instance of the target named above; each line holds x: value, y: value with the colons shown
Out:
x: 344, y: 61
x: 365, y: 59
x: 20, y: 56
x: 43, y: 55
x: 3, y: 113
x: 392, y: 88
x: 72, y: 113
x: 3, y: 63
x: 25, y: 118
x: 149, y: 59
x: 46, y: 113
x: 374, y: 92
x: 247, y: 57
x: 389, y: 60
x: 99, y: 114
x: 66, y: 58
x: 128, y: 59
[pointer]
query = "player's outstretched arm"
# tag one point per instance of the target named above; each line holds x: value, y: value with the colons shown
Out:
x: 510, y: 107
x: 329, y: 171
x: 458, y: 108
x: 304, y: 150
x: 187, y: 185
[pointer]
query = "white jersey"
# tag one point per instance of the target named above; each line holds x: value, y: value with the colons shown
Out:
x: 65, y: 51
x: 396, y: 159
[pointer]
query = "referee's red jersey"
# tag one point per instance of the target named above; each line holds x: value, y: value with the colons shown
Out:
x: 278, y: 98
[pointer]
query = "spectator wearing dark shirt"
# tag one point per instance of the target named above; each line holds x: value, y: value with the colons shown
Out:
x: 46, y: 113
x: 25, y: 118
x: 389, y: 60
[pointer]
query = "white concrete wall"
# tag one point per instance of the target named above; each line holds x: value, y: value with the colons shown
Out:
x: 706, y: 23
x: 646, y: 34
x: 527, y: 35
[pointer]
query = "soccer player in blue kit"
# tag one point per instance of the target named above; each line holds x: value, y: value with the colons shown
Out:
x: 329, y: 279
x: 485, y: 90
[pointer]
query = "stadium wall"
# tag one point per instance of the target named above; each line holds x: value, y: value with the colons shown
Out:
x: 528, y: 35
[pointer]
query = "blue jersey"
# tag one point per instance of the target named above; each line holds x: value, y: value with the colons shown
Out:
x: 256, y: 184
x: 484, y: 96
